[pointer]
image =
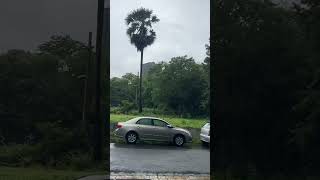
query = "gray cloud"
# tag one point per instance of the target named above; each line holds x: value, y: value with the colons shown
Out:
x: 184, y: 29
x: 26, y: 24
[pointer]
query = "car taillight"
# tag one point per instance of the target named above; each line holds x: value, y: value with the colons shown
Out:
x: 118, y: 126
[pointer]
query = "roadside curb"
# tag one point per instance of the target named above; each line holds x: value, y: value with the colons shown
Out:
x: 151, y: 176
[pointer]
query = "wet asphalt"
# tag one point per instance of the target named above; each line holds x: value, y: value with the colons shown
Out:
x: 159, y: 158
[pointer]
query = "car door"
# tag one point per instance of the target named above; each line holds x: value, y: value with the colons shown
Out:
x: 161, y: 131
x: 145, y: 128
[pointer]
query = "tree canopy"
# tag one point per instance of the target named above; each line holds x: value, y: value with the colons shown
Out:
x: 140, y: 29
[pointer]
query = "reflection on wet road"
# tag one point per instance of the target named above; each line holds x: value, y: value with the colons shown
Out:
x: 159, y: 158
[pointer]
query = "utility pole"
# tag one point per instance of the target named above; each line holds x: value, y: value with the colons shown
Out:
x: 84, y: 106
x: 98, y: 147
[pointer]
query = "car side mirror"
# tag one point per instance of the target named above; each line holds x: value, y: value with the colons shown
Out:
x: 169, y: 126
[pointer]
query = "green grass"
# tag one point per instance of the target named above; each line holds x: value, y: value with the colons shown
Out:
x: 179, y: 122
x: 39, y: 173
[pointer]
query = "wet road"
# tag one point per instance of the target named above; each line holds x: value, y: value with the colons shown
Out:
x: 159, y: 159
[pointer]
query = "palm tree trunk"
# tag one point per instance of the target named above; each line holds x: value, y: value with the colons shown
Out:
x: 140, y: 89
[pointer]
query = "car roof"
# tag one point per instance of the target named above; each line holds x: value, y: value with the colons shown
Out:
x: 150, y: 117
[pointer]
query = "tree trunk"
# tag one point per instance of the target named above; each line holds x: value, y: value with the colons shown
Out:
x: 140, y: 83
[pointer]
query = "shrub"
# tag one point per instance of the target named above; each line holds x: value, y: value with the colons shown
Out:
x: 81, y: 161
x: 57, y: 141
x: 115, y: 110
x: 19, y: 154
x: 126, y: 106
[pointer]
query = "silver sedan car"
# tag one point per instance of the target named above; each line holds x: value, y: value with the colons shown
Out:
x: 150, y: 128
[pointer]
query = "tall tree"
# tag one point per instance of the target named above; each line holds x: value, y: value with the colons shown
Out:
x: 141, y: 35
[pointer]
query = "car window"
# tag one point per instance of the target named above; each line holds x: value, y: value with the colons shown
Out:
x: 145, y: 121
x: 159, y: 123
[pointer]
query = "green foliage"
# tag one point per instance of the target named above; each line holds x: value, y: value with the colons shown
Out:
x: 140, y: 29
x: 18, y: 155
x: 180, y: 87
x: 62, y: 46
x: 81, y: 161
x: 55, y: 149
x: 115, y: 110
x: 41, y: 104
x: 58, y: 141
x: 124, y: 88
x: 126, y: 106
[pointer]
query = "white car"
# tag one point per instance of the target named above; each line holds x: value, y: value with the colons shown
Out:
x: 205, y: 133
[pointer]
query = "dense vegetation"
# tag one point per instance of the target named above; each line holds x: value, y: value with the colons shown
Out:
x: 266, y: 89
x: 41, y: 99
x: 178, y: 87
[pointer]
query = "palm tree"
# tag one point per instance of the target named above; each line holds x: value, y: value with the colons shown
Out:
x: 141, y: 35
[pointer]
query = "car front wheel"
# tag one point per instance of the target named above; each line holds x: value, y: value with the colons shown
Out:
x: 179, y: 140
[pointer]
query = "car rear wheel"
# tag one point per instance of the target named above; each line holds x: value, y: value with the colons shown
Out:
x: 131, y: 138
x: 178, y: 140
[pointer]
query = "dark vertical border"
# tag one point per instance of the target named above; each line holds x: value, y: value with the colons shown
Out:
x: 212, y: 121
x: 106, y: 79
x: 99, y: 125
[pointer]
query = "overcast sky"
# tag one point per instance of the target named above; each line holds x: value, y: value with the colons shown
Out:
x: 26, y: 24
x: 184, y: 29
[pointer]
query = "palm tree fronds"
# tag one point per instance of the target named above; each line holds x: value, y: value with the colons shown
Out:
x: 140, y: 30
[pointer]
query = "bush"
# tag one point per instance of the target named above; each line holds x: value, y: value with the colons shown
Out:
x: 126, y: 106
x: 18, y: 154
x: 115, y: 110
x: 54, y: 148
x: 57, y: 142
x: 81, y: 161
